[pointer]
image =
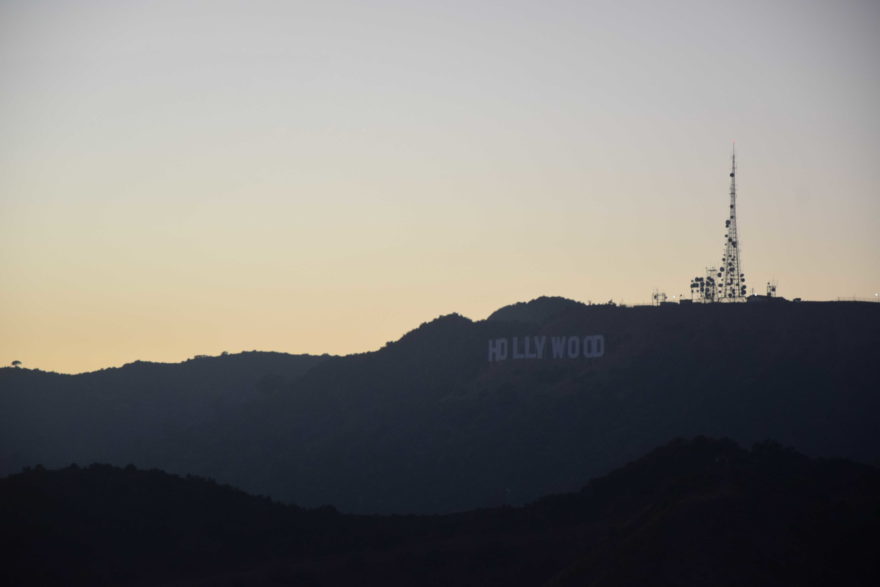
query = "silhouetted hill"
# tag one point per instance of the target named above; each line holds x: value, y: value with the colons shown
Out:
x: 428, y: 424
x: 130, y: 413
x: 696, y: 512
x: 708, y: 513
x: 538, y: 311
x: 399, y: 429
x: 107, y: 525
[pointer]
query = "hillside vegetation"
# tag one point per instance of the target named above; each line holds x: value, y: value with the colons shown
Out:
x: 691, y: 513
x: 428, y: 424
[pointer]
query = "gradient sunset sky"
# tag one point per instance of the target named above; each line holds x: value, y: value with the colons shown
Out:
x: 181, y: 178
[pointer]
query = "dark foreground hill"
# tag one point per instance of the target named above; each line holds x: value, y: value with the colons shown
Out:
x: 429, y: 424
x: 699, y: 512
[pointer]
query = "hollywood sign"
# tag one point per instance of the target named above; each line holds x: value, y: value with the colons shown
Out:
x: 535, y: 347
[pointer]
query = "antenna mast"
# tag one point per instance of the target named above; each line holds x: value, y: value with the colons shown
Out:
x: 731, y: 279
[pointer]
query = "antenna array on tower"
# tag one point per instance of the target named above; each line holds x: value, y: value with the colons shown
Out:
x: 727, y: 282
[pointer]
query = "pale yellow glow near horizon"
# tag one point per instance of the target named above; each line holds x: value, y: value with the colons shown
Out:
x: 198, y: 177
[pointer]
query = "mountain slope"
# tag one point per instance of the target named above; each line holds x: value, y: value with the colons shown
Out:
x: 693, y: 512
x: 398, y: 429
x: 133, y: 413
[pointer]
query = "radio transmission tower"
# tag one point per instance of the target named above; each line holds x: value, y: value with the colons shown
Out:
x: 731, y: 280
x: 727, y: 283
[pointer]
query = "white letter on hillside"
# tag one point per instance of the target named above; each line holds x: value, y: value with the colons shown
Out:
x: 498, y: 349
x: 594, y: 346
x: 517, y: 354
x: 539, y: 346
x: 574, y: 347
x: 558, y: 344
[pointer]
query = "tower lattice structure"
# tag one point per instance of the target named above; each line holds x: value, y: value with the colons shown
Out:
x: 731, y: 281
x: 727, y: 282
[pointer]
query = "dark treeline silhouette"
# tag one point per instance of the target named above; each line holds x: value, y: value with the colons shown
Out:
x: 135, y: 413
x: 693, y: 512
x: 427, y: 425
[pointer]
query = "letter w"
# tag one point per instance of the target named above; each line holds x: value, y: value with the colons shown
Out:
x: 558, y: 345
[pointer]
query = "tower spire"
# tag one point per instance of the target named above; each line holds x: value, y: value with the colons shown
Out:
x: 731, y: 279
x: 727, y: 282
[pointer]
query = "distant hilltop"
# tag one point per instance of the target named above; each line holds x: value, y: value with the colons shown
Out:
x: 538, y: 310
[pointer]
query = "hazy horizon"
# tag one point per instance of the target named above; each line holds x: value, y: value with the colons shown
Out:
x: 182, y: 178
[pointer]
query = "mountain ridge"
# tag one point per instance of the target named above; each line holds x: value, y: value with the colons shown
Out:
x: 690, y: 512
x: 429, y: 409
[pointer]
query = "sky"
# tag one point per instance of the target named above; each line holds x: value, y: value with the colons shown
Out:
x: 182, y: 178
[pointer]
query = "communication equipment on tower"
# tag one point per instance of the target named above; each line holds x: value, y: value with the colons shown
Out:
x: 727, y: 282
x: 658, y: 297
